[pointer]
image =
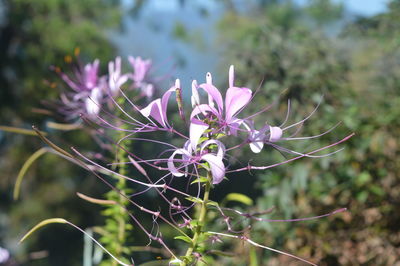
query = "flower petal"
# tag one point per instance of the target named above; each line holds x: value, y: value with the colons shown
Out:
x: 275, y: 133
x: 221, y: 147
x: 171, y: 166
x: 157, y: 109
x: 90, y: 74
x: 164, y: 102
x: 154, y: 110
x: 203, y: 109
x: 235, y: 99
x: 215, y: 95
x: 217, y: 167
x: 195, y: 99
x: 197, y: 129
x: 256, y: 137
x: 92, y: 103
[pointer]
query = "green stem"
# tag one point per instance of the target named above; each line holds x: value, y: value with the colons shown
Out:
x: 200, y: 225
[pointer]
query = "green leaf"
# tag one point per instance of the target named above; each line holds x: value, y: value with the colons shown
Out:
x: 212, y: 203
x: 194, y: 223
x: 21, y: 131
x: 201, y: 179
x: 222, y: 253
x: 193, y: 199
x: 25, y: 168
x: 43, y: 223
x: 64, y: 127
x: 184, y: 238
x: 239, y: 198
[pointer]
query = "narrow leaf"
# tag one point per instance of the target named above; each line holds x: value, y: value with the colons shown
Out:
x: 43, y: 223
x: 65, y: 127
x: 21, y: 131
x: 201, y: 179
x: 25, y: 168
x: 94, y: 200
x: 194, y: 199
x: 184, y: 238
x: 63, y: 221
x: 239, y: 198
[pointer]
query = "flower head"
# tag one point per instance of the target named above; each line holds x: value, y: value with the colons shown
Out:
x: 87, y: 91
x: 115, y: 78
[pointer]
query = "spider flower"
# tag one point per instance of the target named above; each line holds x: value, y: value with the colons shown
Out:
x: 192, y: 156
x: 140, y: 75
x: 87, y: 91
x: 224, y: 116
x: 115, y: 78
x: 236, y: 99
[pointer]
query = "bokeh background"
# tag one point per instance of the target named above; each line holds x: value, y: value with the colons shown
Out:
x: 348, y: 51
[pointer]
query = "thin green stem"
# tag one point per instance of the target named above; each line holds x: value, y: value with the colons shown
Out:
x: 201, y: 223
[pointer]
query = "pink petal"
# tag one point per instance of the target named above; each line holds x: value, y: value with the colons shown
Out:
x: 92, y: 103
x: 214, y: 93
x: 256, y: 137
x: 195, y: 99
x: 221, y: 147
x: 171, y: 166
x: 275, y: 133
x: 197, y: 129
x: 217, y: 167
x: 236, y: 98
x: 164, y: 103
x: 154, y: 110
x: 157, y: 109
x: 203, y: 109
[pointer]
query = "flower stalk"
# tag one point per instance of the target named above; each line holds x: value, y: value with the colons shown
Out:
x: 202, y: 219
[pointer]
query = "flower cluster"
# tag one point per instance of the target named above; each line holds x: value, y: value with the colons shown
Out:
x: 211, y: 121
x: 202, y: 158
x: 89, y: 90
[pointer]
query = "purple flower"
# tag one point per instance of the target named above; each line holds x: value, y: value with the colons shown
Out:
x: 139, y: 76
x: 194, y: 156
x: 157, y: 109
x: 87, y: 91
x: 257, y: 138
x: 115, y: 78
x: 227, y: 122
x: 225, y: 115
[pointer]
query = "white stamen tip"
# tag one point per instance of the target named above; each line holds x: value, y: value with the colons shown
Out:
x: 177, y: 84
x: 231, y: 75
x: 209, y: 78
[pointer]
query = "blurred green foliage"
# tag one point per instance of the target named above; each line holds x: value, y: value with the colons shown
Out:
x: 358, y: 74
x: 33, y: 36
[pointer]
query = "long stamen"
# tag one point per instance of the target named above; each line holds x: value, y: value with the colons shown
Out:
x: 251, y: 167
